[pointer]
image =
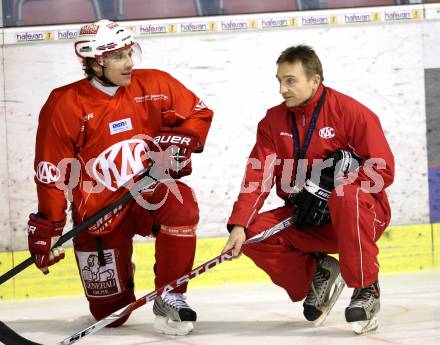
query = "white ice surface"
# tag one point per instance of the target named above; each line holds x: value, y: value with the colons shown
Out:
x: 246, y: 314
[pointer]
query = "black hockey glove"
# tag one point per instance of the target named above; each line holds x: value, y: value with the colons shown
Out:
x: 312, y: 201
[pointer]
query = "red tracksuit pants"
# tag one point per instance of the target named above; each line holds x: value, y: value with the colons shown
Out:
x: 108, y: 280
x: 358, y: 221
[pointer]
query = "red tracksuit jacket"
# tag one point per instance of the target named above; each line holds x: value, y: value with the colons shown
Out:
x: 343, y: 123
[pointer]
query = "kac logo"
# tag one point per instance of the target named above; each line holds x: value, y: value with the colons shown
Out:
x: 120, y: 162
x: 327, y: 132
x: 47, y: 172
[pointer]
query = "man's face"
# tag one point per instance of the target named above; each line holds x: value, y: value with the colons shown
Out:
x: 295, y: 87
x: 118, y: 66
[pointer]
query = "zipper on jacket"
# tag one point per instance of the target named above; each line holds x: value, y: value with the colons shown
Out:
x: 304, y: 118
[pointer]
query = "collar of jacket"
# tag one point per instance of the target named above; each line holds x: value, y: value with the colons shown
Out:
x: 308, y: 107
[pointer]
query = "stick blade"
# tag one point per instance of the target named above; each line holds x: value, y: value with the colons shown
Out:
x: 9, y: 337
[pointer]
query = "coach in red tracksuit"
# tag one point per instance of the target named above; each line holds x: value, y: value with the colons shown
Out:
x: 316, y: 124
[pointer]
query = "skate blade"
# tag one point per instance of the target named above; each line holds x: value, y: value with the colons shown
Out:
x: 367, y: 326
x: 337, y: 290
x: 165, y: 326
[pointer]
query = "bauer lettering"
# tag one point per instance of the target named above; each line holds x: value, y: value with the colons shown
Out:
x: 172, y: 139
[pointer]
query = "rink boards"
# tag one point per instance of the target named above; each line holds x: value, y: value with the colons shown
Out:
x: 402, y: 249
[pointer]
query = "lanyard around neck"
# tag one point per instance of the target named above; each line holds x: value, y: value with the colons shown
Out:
x: 300, y: 153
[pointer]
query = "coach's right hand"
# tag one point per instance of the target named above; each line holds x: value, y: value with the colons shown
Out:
x: 42, y: 235
x: 235, y: 240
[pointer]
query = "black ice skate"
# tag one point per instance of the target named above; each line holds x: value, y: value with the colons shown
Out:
x: 173, y: 315
x: 321, y: 299
x: 364, y: 305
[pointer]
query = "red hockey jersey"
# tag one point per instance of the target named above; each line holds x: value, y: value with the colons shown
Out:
x: 105, y: 137
x: 343, y: 123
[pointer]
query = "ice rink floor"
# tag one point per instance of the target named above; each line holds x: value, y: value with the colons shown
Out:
x: 246, y: 314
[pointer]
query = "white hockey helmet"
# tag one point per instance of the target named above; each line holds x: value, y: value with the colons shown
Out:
x: 104, y: 37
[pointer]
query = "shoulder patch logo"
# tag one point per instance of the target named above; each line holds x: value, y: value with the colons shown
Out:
x: 120, y: 126
x: 327, y: 132
x: 47, y: 172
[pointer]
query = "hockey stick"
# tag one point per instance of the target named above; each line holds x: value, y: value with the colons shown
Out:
x: 12, y: 336
x: 145, y: 181
x: 174, y: 284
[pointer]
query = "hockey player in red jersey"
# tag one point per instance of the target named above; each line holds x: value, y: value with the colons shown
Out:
x: 93, y: 136
x: 330, y: 161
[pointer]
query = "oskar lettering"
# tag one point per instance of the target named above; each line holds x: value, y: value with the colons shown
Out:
x: 47, y: 172
x: 172, y: 139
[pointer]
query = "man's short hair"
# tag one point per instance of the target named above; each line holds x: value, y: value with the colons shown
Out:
x: 307, y: 56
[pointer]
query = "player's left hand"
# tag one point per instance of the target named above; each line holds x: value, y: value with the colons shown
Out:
x: 176, y: 145
x: 236, y: 239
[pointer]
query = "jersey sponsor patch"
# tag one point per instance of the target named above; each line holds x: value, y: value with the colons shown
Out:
x: 99, y: 281
x: 120, y: 126
x: 47, y: 172
x: 327, y: 132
